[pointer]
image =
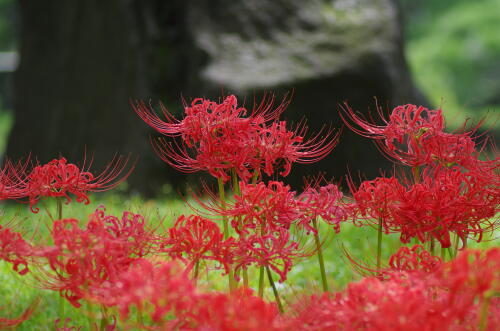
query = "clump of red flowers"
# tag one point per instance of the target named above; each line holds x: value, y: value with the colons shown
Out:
x: 454, y: 189
x: 58, y: 178
x: 223, y: 137
x: 83, y: 259
x: 452, y: 296
x: 15, y: 250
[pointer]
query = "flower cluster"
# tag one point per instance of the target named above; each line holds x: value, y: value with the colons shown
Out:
x: 220, y: 138
x: 82, y: 260
x: 58, y: 178
x: 453, y: 296
x: 14, y: 249
x: 455, y: 189
x: 163, y: 290
x: 194, y: 238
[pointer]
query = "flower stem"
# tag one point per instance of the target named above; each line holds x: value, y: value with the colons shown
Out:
x: 483, y: 315
x: 275, y: 290
x: 196, y: 271
x: 222, y: 195
x: 104, y: 318
x: 261, y: 281
x: 320, y: 256
x: 255, y: 176
x: 59, y: 208
x: 416, y: 174
x: 431, y: 246
x: 245, y: 277
x: 379, y: 245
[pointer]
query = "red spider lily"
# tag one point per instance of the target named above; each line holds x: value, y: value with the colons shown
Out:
x: 204, y: 115
x: 450, y: 297
x: 376, y: 199
x: 278, y: 147
x: 403, y: 135
x: 195, y: 238
x: 159, y: 290
x: 13, y: 180
x: 321, y: 201
x: 59, y: 178
x: 14, y: 249
x: 260, y: 208
x: 415, y: 258
x: 473, y: 271
x: 218, y: 138
x: 275, y: 250
x: 446, y: 202
x: 240, y: 310
x: 82, y: 260
x: 217, y: 134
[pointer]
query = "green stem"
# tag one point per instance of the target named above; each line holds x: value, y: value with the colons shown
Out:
x: 90, y: 318
x: 483, y: 315
x: 61, y: 307
x: 320, y: 256
x: 59, y: 208
x: 455, y: 248
x: 416, y: 174
x: 255, y: 176
x: 275, y: 290
x: 104, y: 318
x: 245, y: 277
x: 222, y: 195
x: 196, y: 271
x: 431, y: 248
x: 443, y: 253
x: 261, y: 281
x: 379, y: 245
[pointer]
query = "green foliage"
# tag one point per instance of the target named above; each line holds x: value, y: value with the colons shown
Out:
x: 454, y: 49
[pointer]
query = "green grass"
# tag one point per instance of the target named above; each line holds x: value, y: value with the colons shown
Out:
x: 453, y: 47
x: 17, y: 292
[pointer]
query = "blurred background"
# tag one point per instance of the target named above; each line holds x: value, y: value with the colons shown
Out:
x: 69, y: 68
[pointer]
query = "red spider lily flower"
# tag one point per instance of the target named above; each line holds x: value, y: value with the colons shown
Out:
x: 14, y: 249
x: 446, y: 202
x: 194, y: 238
x: 449, y: 297
x: 240, y: 310
x: 219, y: 138
x: 474, y: 271
x: 261, y: 208
x: 415, y: 258
x: 321, y: 201
x: 159, y: 290
x: 204, y: 115
x: 82, y: 260
x: 59, y: 178
x: 404, y: 133
x: 278, y: 147
x: 13, y: 180
x: 275, y: 250
x: 376, y: 199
